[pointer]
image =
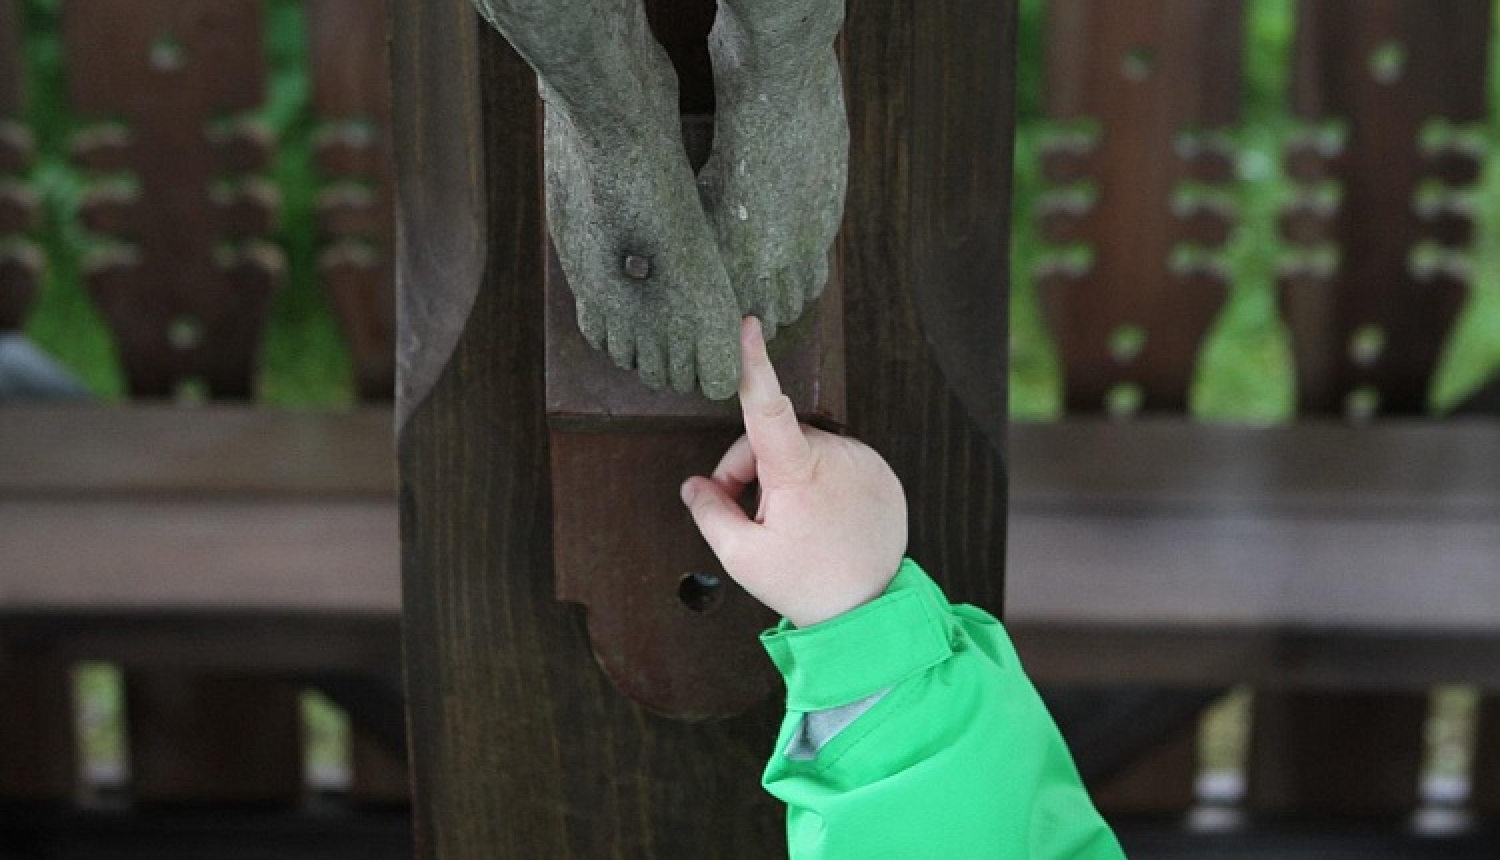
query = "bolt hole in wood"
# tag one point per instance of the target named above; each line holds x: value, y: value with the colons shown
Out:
x: 168, y: 54
x: 701, y: 592
x: 1139, y: 63
x: 1388, y: 62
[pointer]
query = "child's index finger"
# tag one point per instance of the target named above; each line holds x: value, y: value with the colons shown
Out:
x: 770, y: 421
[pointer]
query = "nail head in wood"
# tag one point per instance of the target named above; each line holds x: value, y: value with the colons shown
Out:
x: 637, y: 267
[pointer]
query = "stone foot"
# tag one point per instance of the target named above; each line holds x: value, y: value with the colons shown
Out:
x: 774, y: 184
x: 622, y: 206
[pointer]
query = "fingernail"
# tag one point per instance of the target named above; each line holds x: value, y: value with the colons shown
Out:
x: 688, y: 492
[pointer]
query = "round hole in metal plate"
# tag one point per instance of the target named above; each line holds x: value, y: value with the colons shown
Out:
x: 701, y: 592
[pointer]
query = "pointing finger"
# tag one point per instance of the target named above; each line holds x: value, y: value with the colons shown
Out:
x: 770, y: 421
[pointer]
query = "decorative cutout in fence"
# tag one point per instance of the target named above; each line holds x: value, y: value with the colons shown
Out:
x: 1150, y: 87
x: 187, y: 289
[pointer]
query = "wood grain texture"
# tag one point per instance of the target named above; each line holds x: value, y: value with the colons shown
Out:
x: 904, y: 198
x: 520, y: 746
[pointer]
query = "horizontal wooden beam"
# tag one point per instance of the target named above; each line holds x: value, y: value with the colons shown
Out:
x: 1314, y: 553
x: 1307, y: 555
x: 141, y: 450
x: 200, y: 555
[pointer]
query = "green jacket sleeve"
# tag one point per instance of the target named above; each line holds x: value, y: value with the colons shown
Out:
x: 911, y: 732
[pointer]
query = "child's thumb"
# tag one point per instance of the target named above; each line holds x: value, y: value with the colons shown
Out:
x: 718, y: 517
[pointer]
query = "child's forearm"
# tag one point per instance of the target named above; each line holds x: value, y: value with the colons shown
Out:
x: 926, y: 740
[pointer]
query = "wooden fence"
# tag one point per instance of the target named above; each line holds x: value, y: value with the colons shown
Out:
x: 1137, y: 544
x: 225, y: 558
x: 1345, y: 563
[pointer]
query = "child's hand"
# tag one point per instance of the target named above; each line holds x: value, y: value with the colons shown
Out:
x: 831, y: 529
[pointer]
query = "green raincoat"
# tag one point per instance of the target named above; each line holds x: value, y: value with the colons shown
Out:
x: 912, y: 732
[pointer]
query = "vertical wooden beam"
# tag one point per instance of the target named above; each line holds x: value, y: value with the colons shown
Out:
x: 37, y: 761
x: 1347, y: 754
x: 1151, y: 87
x: 377, y: 777
x: 37, y: 749
x: 356, y: 205
x: 185, y: 288
x: 1485, y: 780
x: 520, y: 746
x: 20, y: 260
x: 1372, y: 82
x: 1385, y: 89
x: 1163, y: 780
x: 213, y: 739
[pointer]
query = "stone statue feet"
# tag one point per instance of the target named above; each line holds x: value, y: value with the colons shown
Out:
x: 645, y: 272
x: 774, y: 184
x: 622, y: 206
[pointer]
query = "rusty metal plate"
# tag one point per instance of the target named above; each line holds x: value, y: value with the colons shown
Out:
x: 667, y: 625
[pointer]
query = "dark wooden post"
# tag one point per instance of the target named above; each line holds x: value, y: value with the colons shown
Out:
x: 520, y: 745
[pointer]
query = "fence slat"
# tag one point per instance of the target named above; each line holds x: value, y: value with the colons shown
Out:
x: 37, y: 756
x: 1484, y: 790
x: 185, y: 292
x: 377, y: 776
x: 1156, y: 79
x: 185, y: 289
x: 1352, y: 753
x: 1384, y: 88
x: 213, y: 738
x: 20, y: 261
x: 356, y: 216
x: 1368, y: 318
x: 1163, y: 780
